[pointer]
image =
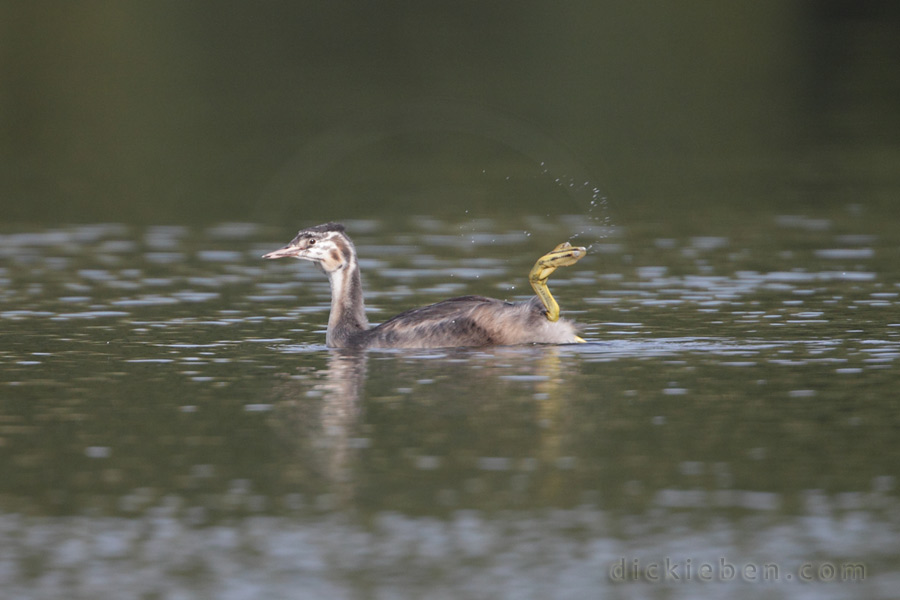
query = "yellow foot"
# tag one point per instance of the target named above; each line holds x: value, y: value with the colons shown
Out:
x: 562, y: 256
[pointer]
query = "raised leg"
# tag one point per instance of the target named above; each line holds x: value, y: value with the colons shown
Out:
x: 562, y: 256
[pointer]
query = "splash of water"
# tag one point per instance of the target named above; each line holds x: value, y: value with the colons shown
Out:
x: 592, y: 202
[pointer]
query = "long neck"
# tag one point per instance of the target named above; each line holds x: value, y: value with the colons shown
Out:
x: 348, y: 311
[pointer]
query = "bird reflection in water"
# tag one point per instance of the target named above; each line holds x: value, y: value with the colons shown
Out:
x: 486, y: 438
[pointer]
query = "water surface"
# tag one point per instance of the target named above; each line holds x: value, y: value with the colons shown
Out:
x: 172, y: 425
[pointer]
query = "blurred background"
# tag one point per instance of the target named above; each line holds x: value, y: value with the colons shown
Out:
x: 171, y: 425
x: 200, y: 112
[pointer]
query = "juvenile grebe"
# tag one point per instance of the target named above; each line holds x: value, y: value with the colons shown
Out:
x: 463, y: 321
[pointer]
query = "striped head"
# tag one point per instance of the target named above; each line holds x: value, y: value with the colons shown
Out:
x: 326, y: 245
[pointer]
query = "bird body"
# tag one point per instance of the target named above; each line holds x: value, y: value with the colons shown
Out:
x: 462, y: 321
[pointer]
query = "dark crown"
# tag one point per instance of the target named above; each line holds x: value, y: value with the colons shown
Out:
x: 324, y: 228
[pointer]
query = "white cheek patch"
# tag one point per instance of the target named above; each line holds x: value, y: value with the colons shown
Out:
x: 317, y: 252
x: 326, y: 252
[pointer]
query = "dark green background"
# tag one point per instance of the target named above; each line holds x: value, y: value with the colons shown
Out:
x: 167, y: 112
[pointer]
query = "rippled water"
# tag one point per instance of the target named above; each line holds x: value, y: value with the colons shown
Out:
x: 171, y: 423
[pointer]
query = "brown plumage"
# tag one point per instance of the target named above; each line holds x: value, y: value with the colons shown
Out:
x: 463, y: 321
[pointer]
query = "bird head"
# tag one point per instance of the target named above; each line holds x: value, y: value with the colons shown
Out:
x: 325, y: 245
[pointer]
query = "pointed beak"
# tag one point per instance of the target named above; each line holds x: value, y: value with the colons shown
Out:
x: 283, y: 252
